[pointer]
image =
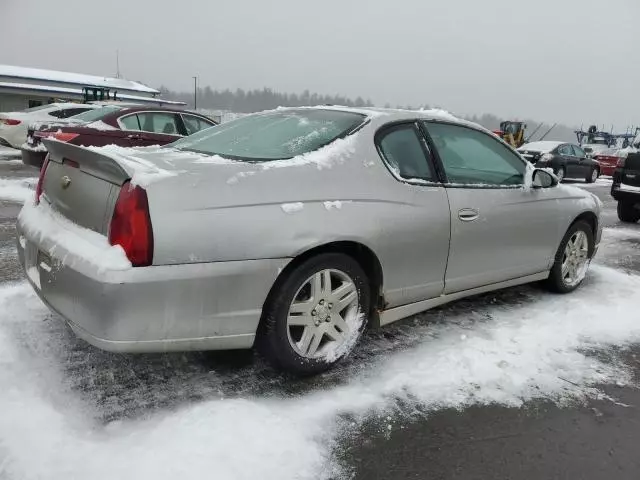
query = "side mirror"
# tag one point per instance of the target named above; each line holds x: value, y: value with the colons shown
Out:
x: 544, y: 179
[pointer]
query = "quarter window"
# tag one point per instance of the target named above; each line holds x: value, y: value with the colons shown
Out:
x: 402, y: 150
x: 130, y: 122
x: 159, y: 123
x: 195, y: 124
x: 473, y: 157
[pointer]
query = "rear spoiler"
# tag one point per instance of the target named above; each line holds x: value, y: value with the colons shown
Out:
x: 93, y: 163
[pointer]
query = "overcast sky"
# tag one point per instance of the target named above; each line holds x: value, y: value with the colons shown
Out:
x: 571, y: 61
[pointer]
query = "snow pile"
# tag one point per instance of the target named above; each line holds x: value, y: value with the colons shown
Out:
x: 42, y: 222
x: 292, y: 207
x: 236, y: 178
x: 17, y: 189
x: 34, y: 148
x: 337, y: 204
x: 325, y: 157
x: 481, y: 355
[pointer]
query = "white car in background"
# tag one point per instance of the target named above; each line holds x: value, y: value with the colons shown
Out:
x: 14, y: 125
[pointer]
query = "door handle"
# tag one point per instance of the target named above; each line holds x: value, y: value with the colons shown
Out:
x: 134, y: 136
x: 468, y: 214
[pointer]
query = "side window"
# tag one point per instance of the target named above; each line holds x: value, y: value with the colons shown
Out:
x: 57, y: 113
x: 72, y: 112
x: 402, y: 150
x: 578, y: 152
x: 565, y: 150
x: 195, y: 124
x: 157, y: 122
x: 130, y: 122
x: 473, y: 157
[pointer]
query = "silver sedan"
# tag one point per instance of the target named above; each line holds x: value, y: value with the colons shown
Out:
x: 294, y: 230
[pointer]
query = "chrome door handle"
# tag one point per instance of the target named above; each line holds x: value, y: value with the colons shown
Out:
x: 468, y: 214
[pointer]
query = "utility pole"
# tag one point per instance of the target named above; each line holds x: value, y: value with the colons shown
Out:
x: 195, y: 93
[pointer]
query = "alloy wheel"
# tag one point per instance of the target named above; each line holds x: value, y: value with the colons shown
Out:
x: 575, y: 260
x: 323, y: 315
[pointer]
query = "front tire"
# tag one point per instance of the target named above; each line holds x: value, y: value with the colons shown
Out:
x: 560, y: 173
x: 316, y: 314
x: 572, y: 259
x: 627, y: 212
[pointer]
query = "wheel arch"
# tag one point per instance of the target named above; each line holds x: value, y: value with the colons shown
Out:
x: 591, y: 219
x: 361, y: 253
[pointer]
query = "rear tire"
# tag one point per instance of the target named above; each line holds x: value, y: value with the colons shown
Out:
x: 563, y: 278
x: 307, y: 327
x: 560, y: 173
x: 627, y: 212
x: 593, y: 175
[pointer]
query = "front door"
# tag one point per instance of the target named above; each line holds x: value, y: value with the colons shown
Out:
x: 415, y: 243
x: 500, y: 229
x: 572, y: 168
x: 583, y: 166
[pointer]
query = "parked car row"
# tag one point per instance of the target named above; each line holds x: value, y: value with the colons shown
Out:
x: 119, y: 124
x: 293, y: 230
x: 96, y: 124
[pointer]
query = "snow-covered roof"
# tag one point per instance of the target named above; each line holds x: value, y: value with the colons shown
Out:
x: 542, y: 146
x: 78, y: 92
x: 73, y: 78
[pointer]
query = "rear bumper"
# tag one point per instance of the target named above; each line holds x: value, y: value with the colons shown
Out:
x: 200, y: 306
x: 33, y: 158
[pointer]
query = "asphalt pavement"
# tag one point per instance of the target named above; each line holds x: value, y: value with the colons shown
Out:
x: 595, y: 436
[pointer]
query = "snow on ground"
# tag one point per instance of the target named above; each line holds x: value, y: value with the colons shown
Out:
x: 600, y: 182
x: 7, y: 153
x: 17, y: 189
x: 248, y: 423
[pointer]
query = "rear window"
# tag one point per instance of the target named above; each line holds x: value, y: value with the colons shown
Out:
x: 96, y: 114
x: 274, y: 135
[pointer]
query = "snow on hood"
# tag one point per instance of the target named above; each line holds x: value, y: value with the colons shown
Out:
x: 543, y: 146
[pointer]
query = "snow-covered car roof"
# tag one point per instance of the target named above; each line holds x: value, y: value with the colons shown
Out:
x: 543, y: 146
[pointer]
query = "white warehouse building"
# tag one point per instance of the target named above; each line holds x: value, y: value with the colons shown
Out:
x: 22, y: 87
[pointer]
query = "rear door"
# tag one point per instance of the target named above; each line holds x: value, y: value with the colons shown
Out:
x: 160, y: 128
x: 499, y: 229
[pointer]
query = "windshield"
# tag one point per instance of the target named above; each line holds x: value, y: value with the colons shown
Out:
x: 274, y: 135
x: 96, y: 114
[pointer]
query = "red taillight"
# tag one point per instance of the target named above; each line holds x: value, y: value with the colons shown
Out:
x: 131, y: 225
x: 41, y: 179
x: 64, y: 136
x: 10, y: 121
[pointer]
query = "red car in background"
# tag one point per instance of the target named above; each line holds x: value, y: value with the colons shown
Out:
x: 125, y: 125
x: 608, y: 160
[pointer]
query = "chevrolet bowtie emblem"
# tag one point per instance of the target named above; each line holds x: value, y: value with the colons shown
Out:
x: 66, y: 181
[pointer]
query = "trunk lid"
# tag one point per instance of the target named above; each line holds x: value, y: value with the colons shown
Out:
x: 82, y: 185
